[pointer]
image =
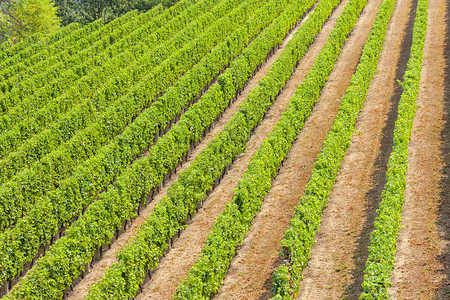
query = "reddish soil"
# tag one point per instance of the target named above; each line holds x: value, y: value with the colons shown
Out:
x: 249, y: 275
x: 419, y: 273
x: 335, y: 268
x: 210, y: 208
x: 444, y: 206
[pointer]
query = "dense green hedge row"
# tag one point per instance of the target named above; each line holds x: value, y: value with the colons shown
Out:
x: 75, y: 193
x: 193, y: 184
x: 7, y: 49
x: 28, y: 58
x: 45, y: 175
x: 33, y: 44
x: 383, y: 240
x: 5, y: 45
x: 75, y: 263
x: 205, y: 277
x: 56, y: 74
x: 299, y: 238
x: 106, y: 94
x: 40, y: 63
x: 92, y: 96
x: 21, y: 80
x: 17, y: 72
x: 35, y: 182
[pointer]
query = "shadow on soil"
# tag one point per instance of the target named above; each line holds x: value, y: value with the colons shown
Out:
x: 444, y: 209
x: 378, y: 179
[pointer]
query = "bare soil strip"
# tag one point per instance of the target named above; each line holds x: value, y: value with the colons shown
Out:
x: 336, y: 262
x: 444, y: 207
x: 186, y: 250
x: 109, y: 257
x: 249, y: 276
x: 418, y: 273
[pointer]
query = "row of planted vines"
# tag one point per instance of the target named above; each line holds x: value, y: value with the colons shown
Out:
x: 116, y: 139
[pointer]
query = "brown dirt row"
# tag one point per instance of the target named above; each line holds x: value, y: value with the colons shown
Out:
x: 335, y: 268
x: 444, y: 206
x: 419, y: 273
x: 81, y: 289
x: 249, y: 275
x: 186, y: 250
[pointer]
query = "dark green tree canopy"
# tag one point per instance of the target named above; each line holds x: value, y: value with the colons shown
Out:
x: 86, y: 11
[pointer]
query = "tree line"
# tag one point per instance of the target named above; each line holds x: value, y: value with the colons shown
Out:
x: 22, y: 18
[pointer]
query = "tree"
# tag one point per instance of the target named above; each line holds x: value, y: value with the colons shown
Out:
x: 22, y: 18
x: 86, y: 11
x: 68, y: 11
x: 92, y: 10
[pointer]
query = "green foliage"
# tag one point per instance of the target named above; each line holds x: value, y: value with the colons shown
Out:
x: 90, y: 70
x: 93, y: 114
x: 263, y: 166
x: 66, y: 203
x: 22, y: 18
x: 29, y: 63
x: 299, y: 238
x: 86, y: 11
x: 8, y: 48
x: 68, y: 12
x: 194, y: 183
x: 14, y: 52
x: 383, y: 240
x: 36, y: 185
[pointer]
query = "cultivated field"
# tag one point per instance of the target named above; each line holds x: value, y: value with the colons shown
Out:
x: 230, y: 149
